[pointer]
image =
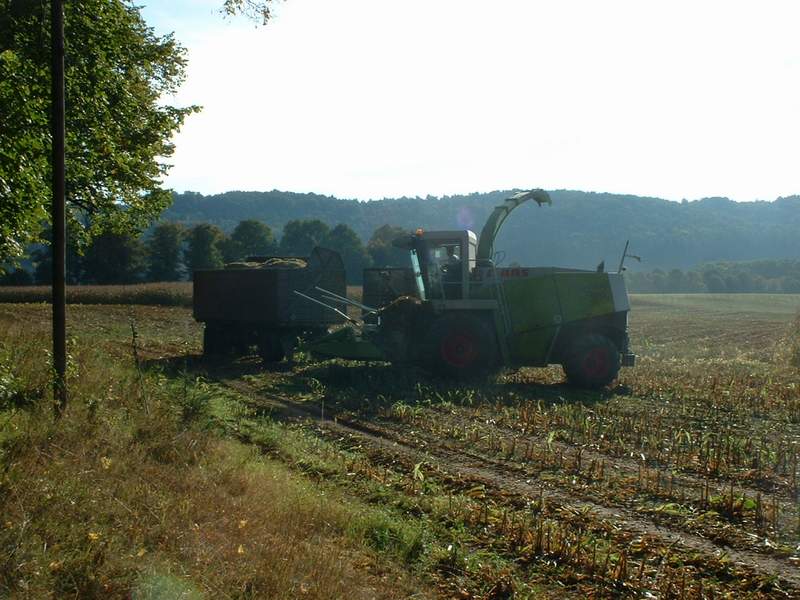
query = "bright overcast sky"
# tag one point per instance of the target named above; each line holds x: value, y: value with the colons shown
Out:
x: 378, y: 98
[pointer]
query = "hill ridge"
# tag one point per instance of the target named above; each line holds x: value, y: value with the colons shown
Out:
x: 579, y: 230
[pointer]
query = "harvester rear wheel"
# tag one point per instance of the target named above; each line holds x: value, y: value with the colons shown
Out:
x: 460, y: 346
x: 593, y: 362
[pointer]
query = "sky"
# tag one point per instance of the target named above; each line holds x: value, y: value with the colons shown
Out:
x: 369, y: 99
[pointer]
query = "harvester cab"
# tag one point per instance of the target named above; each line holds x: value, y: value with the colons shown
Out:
x: 442, y: 262
x: 449, y: 260
x: 457, y: 313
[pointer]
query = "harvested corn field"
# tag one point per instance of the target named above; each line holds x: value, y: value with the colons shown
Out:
x: 680, y: 481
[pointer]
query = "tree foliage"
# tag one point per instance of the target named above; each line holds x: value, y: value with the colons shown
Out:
x: 43, y: 259
x: 203, y: 248
x: 380, y: 247
x: 299, y: 236
x: 249, y: 238
x: 259, y: 10
x: 346, y: 242
x: 114, y: 258
x: 774, y: 276
x: 118, y: 132
x: 166, y: 261
x: 164, y: 247
x: 16, y: 277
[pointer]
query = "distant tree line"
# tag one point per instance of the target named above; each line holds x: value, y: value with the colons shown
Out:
x: 775, y: 276
x: 171, y: 251
x: 579, y: 230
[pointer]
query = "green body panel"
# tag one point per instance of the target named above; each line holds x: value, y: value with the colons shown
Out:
x: 532, y: 302
x: 539, y: 302
x: 533, y: 312
x: 531, y: 347
x: 584, y: 295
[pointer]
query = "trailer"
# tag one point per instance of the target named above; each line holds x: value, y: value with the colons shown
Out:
x: 267, y: 302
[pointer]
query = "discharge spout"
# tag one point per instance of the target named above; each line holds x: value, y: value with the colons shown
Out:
x: 499, y: 215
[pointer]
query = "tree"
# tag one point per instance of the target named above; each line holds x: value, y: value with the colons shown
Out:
x: 300, y: 237
x: 380, y: 247
x: 714, y: 282
x: 164, y: 252
x: 114, y: 258
x: 16, y: 277
x: 791, y: 284
x: 118, y: 129
x: 254, y: 9
x: 43, y: 259
x: 694, y: 282
x: 676, y: 281
x: 250, y: 238
x: 203, y: 248
x: 347, y: 243
x: 659, y: 279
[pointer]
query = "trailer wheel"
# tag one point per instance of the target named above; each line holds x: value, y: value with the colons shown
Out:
x: 270, y: 348
x: 593, y: 362
x: 216, y: 340
x: 460, y: 346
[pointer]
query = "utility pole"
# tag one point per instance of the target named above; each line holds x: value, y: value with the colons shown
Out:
x: 59, y: 247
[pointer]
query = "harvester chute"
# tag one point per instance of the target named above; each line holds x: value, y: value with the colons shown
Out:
x: 499, y: 215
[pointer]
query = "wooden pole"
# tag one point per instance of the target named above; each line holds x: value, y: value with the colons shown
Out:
x: 59, y: 247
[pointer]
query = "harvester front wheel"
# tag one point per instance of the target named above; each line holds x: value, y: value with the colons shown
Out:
x: 461, y: 346
x: 593, y: 362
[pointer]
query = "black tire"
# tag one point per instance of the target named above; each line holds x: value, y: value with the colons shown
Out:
x: 593, y: 362
x: 216, y: 340
x: 270, y: 348
x: 460, y: 346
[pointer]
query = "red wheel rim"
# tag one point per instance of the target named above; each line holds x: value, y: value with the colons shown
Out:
x: 596, y: 363
x: 459, y: 350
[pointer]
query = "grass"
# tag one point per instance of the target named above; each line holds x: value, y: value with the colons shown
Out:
x: 794, y: 342
x: 223, y: 479
x: 132, y: 494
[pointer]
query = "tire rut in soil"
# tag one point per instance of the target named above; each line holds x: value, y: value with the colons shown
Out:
x: 496, y: 475
x: 687, y: 481
x: 506, y: 478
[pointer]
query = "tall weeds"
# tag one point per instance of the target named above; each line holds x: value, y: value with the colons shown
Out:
x: 794, y: 342
x: 122, y: 499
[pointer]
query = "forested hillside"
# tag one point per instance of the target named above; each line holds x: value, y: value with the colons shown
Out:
x: 579, y: 230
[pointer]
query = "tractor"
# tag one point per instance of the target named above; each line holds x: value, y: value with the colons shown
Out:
x: 456, y: 313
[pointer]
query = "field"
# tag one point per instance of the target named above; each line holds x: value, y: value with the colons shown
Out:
x: 170, y: 472
x: 175, y: 293
x: 178, y: 293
